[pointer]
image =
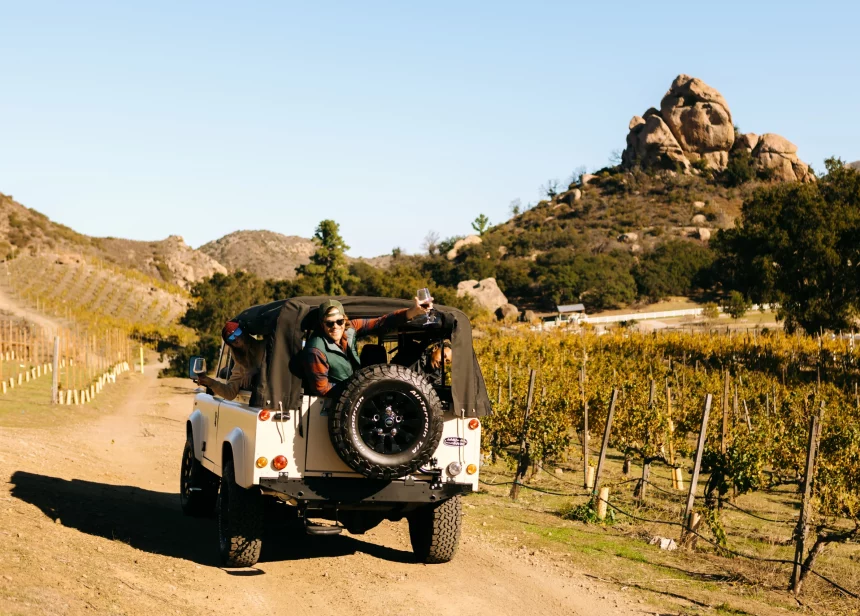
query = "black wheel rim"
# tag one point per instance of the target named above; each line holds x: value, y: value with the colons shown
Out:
x: 390, y: 422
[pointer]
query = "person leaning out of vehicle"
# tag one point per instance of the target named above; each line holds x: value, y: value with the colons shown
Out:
x: 331, y: 356
x: 247, y: 355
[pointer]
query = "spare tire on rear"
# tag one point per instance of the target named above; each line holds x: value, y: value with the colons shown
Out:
x: 387, y: 422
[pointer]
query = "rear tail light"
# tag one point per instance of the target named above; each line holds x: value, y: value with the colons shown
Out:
x: 264, y: 415
x: 471, y: 469
x: 262, y: 462
x: 279, y: 463
x: 474, y: 424
x: 454, y: 469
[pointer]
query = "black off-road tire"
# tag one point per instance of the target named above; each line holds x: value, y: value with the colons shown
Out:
x: 240, y: 522
x: 198, y: 486
x: 434, y: 531
x: 373, y: 392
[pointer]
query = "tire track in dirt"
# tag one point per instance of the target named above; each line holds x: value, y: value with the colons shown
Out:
x: 90, y: 523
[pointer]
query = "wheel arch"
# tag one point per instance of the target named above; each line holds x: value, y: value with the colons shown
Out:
x: 233, y: 448
x: 194, y: 429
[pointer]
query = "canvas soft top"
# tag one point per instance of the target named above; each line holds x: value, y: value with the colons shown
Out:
x: 285, y: 322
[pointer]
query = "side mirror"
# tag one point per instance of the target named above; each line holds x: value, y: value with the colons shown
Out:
x: 196, y: 367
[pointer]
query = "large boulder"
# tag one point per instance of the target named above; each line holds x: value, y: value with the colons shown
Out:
x: 700, y: 120
x: 778, y: 155
x: 485, y: 293
x: 745, y: 141
x: 507, y: 312
x: 650, y: 144
x: 460, y: 244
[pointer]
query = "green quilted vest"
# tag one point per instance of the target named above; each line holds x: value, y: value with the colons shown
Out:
x: 340, y: 365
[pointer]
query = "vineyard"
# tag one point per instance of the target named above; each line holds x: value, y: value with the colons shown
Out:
x: 766, y: 391
x: 97, y: 315
x: 98, y: 295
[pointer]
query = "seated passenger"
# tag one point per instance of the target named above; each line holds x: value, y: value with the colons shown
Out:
x: 247, y: 360
x: 330, y: 355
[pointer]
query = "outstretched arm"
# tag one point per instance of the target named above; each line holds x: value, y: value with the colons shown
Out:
x: 365, y: 327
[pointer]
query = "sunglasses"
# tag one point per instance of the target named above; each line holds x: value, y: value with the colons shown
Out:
x: 330, y: 324
x: 236, y: 333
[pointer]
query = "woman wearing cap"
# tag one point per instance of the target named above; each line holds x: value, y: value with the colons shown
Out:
x: 331, y: 356
x: 247, y: 355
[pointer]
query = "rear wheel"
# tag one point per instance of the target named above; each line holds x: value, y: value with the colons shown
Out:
x: 434, y: 531
x: 240, y: 521
x: 198, y: 487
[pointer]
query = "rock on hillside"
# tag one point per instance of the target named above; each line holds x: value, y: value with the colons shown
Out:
x: 264, y: 253
x: 694, y: 122
x: 855, y: 165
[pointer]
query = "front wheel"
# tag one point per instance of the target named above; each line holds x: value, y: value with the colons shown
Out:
x: 240, y: 521
x: 198, y: 487
x: 434, y: 531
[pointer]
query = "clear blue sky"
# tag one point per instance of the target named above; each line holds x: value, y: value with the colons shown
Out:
x: 201, y: 118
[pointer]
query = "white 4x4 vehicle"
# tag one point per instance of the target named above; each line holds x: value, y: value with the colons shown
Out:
x: 401, y: 439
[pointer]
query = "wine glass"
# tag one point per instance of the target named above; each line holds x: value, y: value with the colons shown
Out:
x: 425, y: 300
x: 198, y: 366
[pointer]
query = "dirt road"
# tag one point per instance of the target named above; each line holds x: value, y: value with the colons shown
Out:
x: 90, y: 524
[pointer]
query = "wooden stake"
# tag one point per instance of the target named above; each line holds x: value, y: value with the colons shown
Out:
x: 803, y: 519
x: 602, y: 502
x: 523, y: 465
x: 697, y: 465
x: 605, y: 445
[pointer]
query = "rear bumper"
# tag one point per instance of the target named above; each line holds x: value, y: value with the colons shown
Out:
x: 347, y: 491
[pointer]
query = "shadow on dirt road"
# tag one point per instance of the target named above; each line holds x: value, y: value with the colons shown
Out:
x: 153, y: 522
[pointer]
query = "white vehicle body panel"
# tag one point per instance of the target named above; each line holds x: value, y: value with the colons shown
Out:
x: 304, y: 440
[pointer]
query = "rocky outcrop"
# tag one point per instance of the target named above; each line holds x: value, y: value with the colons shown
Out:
x: 186, y: 264
x: 650, y: 144
x: 486, y: 293
x: 469, y: 240
x: 778, y: 156
x: 694, y: 123
x: 700, y: 120
x: 745, y: 141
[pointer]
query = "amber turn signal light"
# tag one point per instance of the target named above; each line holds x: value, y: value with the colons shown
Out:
x: 264, y: 415
x: 279, y: 463
x: 474, y: 424
x: 471, y: 469
x: 262, y: 462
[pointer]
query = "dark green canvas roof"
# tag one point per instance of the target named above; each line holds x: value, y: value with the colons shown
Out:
x: 285, y: 322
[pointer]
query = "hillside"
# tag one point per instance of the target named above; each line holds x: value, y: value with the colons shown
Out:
x: 26, y: 231
x: 264, y: 253
x: 90, y: 291
x: 270, y: 255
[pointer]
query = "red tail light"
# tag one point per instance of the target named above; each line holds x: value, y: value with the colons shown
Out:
x: 474, y: 423
x: 279, y: 463
x: 264, y: 415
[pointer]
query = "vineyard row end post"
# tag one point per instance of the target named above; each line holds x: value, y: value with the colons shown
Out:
x: 522, y: 463
x: 605, y: 445
x: 697, y: 465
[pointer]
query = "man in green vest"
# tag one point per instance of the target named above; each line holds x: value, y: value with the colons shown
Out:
x: 330, y: 355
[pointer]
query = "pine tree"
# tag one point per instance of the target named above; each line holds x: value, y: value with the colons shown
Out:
x: 328, y: 264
